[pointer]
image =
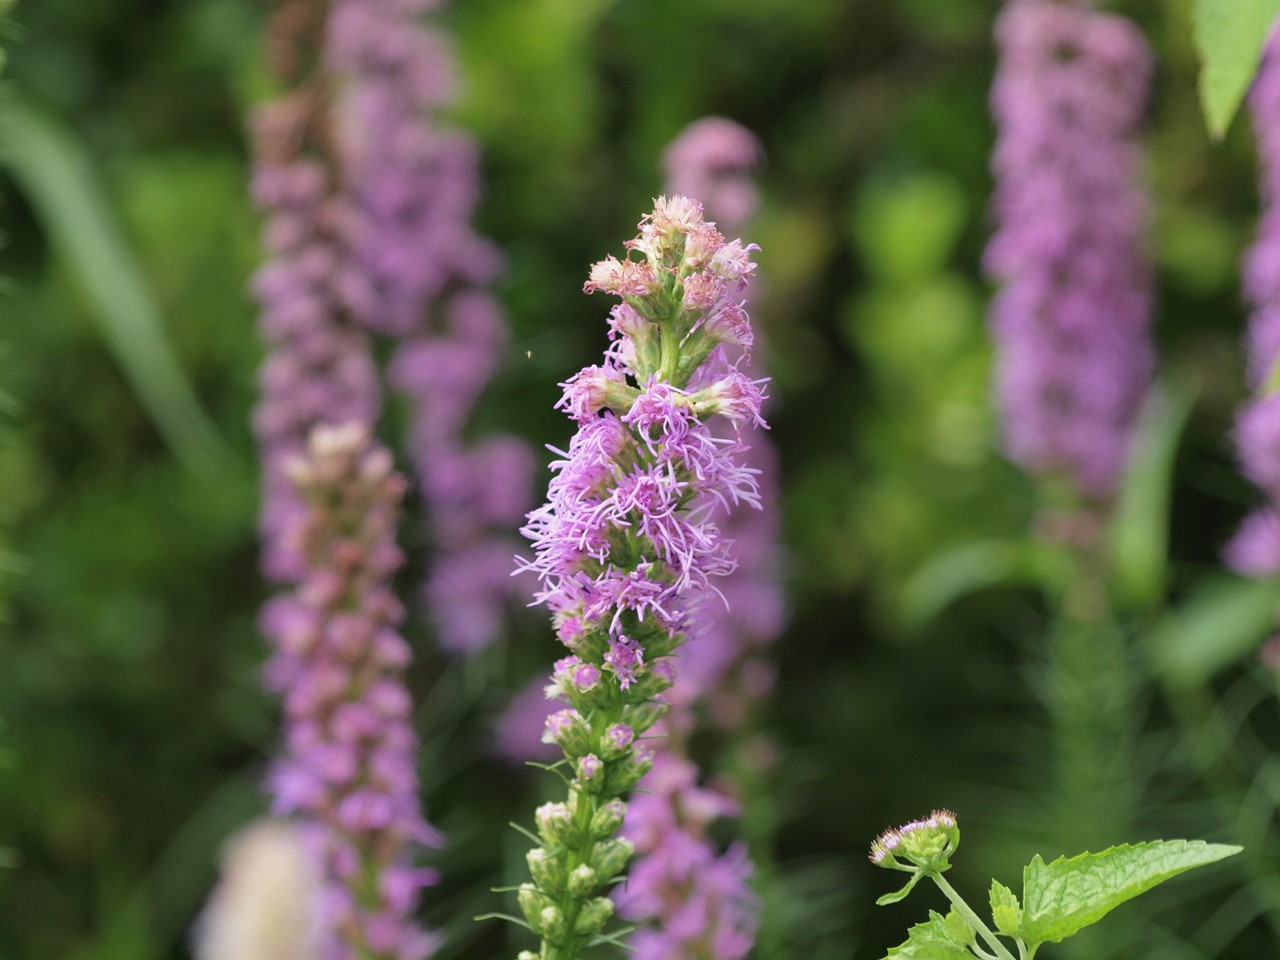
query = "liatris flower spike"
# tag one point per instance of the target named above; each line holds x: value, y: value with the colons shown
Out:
x: 625, y: 545
x: 348, y: 772
x: 1059, y: 899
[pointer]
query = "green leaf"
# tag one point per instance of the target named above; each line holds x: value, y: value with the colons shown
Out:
x: 58, y: 179
x: 958, y: 929
x: 965, y: 570
x: 1140, y: 524
x: 1229, y: 36
x: 1222, y: 622
x: 1005, y: 909
x: 1063, y: 897
x: 897, y: 895
x: 930, y: 941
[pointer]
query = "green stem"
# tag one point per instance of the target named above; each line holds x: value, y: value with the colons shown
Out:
x: 974, y: 920
x: 670, y: 351
x: 1090, y: 705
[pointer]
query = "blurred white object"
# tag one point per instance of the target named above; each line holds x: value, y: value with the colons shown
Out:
x: 265, y: 906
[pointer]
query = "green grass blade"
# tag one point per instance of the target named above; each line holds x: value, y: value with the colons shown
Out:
x: 58, y: 180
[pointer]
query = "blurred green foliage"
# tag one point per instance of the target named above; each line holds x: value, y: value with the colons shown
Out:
x: 908, y: 678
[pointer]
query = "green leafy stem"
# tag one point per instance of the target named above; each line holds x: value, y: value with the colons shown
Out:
x: 1059, y: 899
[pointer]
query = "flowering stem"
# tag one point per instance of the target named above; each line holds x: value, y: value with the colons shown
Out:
x: 974, y: 920
x: 619, y: 551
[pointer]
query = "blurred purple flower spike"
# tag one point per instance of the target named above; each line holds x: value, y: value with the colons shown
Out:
x: 419, y: 274
x: 338, y: 662
x: 1070, y: 321
x: 1255, y: 549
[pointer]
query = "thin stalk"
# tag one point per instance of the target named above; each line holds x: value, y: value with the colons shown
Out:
x: 975, y: 921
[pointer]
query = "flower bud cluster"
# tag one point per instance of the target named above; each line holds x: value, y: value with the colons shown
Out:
x: 620, y: 548
x: 349, y: 764
x: 420, y: 273
x: 926, y: 844
x: 1255, y: 549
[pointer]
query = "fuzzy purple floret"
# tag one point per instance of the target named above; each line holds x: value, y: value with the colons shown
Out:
x: 420, y: 274
x: 338, y: 661
x: 1074, y: 356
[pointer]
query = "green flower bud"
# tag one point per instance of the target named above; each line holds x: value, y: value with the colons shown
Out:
x: 591, y: 772
x: 532, y: 902
x: 927, y: 843
x: 627, y: 772
x: 641, y: 716
x: 555, y: 824
x: 551, y: 925
x: 582, y: 881
x: 608, y: 819
x: 567, y: 729
x: 547, y: 870
x: 594, y: 915
x: 610, y: 856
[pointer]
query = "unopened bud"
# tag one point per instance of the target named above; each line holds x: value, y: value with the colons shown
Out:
x: 551, y: 925
x: 617, y: 741
x: 582, y: 881
x: 547, y: 870
x: 555, y: 824
x: 591, y: 771
x: 608, y: 819
x: 532, y: 902
x: 610, y: 856
x: 627, y: 772
x: 595, y: 913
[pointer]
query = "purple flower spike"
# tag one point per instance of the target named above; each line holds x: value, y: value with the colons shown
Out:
x: 696, y: 900
x: 1073, y: 351
x: 626, y: 546
x: 1255, y: 550
x: 348, y: 770
x: 419, y: 273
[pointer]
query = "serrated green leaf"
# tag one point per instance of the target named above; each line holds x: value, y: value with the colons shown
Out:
x: 1222, y: 622
x: 1229, y: 36
x: 1063, y: 897
x: 957, y: 928
x: 929, y: 941
x: 1140, y: 522
x: 1005, y: 910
